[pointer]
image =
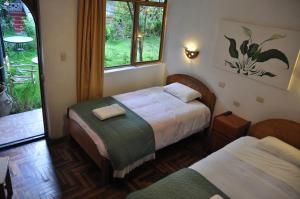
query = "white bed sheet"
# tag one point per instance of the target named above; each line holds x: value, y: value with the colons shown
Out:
x: 171, y: 119
x: 241, y: 170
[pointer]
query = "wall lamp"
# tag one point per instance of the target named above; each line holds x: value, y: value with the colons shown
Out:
x: 191, y: 54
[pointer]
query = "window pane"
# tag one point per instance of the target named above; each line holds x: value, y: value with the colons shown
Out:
x: 119, y: 25
x: 149, y: 33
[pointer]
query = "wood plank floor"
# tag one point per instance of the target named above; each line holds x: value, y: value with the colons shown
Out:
x: 62, y: 170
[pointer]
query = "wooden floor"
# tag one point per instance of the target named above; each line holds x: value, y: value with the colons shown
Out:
x: 62, y: 170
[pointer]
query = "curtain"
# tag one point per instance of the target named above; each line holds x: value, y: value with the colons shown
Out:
x: 90, y: 49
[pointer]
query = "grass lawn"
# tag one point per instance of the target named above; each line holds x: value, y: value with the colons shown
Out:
x: 117, y: 52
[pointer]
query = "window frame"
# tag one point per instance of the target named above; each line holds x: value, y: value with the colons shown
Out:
x: 136, y: 13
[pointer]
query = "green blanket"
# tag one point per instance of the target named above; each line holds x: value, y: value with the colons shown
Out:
x: 183, y: 184
x: 128, y: 138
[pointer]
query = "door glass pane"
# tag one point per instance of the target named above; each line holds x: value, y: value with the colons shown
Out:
x: 21, y: 115
x: 119, y: 27
x: 149, y: 33
x: 160, y: 1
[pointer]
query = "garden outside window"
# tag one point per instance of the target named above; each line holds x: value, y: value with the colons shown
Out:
x: 134, y: 32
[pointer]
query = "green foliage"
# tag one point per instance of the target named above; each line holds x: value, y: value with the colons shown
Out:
x: 119, y: 25
x: 273, y: 54
x: 244, y: 47
x: 232, y: 48
x: 273, y: 37
x: 247, y: 31
x: 150, y: 21
x: 253, y: 48
x: 119, y: 32
x: 268, y: 74
x: 29, y: 26
x: 6, y: 20
x: 252, y: 53
x: 29, y: 30
x: 26, y: 96
x: 117, y: 52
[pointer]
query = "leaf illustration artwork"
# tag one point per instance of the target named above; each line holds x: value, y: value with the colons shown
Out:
x: 252, y: 54
x: 244, y: 47
x: 232, y: 48
x: 273, y: 54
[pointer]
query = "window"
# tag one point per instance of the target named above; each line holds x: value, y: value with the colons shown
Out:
x: 134, y: 32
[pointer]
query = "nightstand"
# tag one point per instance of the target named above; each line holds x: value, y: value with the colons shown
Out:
x: 227, y: 128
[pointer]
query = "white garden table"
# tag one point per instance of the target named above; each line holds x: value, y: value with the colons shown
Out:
x: 19, y: 41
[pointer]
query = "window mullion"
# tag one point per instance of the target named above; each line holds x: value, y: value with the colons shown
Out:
x: 136, y: 9
x: 163, y: 32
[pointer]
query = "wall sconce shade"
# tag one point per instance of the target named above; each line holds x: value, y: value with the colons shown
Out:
x: 191, y: 54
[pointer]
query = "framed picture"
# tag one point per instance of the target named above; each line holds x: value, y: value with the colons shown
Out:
x: 261, y: 53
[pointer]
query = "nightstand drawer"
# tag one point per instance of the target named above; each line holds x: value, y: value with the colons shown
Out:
x: 225, y: 129
x: 231, y: 126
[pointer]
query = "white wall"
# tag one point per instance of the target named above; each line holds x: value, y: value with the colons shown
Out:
x: 133, y: 79
x: 189, y: 20
x: 196, y: 21
x: 58, y: 29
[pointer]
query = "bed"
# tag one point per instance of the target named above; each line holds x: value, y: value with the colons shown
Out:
x: 162, y: 111
x: 242, y: 169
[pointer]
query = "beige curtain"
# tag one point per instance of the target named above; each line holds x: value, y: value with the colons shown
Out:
x: 90, y: 49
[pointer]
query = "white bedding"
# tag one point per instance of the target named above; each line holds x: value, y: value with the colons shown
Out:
x: 170, y: 118
x: 241, y: 170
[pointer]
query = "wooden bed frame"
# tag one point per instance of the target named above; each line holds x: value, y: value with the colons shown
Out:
x: 88, y: 145
x: 208, y: 98
x: 285, y: 130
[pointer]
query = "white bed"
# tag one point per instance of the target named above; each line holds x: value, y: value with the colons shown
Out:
x: 170, y: 118
x: 263, y: 165
x: 241, y: 170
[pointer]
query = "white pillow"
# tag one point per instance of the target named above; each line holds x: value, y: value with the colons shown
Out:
x: 182, y: 92
x: 280, y: 149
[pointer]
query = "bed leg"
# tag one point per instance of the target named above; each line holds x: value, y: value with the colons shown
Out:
x: 206, y: 132
x: 79, y: 136
x: 106, y: 171
x: 206, y: 139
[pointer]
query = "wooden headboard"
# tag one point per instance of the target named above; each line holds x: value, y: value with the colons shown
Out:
x: 285, y: 130
x: 208, y: 97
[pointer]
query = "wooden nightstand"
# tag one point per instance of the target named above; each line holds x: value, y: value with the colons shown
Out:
x: 227, y: 129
